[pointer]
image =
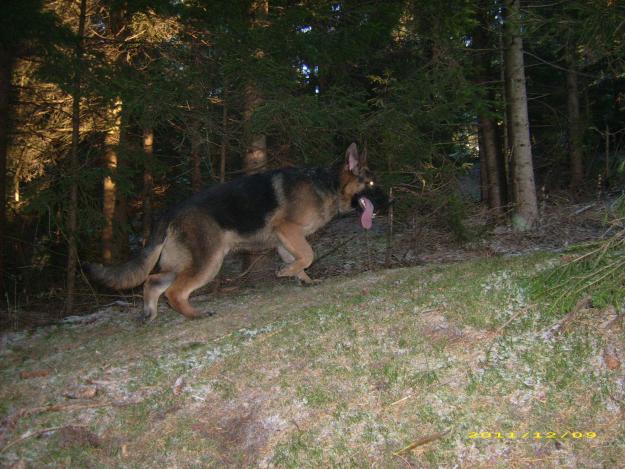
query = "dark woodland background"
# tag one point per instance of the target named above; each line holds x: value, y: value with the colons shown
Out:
x: 112, y: 110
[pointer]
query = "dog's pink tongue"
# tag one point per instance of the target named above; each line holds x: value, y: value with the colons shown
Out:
x: 366, y: 219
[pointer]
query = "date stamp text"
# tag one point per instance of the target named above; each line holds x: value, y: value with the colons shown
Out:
x: 532, y: 435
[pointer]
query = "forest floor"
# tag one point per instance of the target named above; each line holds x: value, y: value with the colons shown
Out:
x: 344, y: 248
x: 437, y: 365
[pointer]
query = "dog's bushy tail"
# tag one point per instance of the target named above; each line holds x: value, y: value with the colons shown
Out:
x: 136, y: 270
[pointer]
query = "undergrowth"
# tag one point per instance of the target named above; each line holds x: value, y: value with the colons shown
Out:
x: 595, y: 270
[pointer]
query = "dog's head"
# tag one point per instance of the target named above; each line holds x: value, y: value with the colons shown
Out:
x: 359, y: 187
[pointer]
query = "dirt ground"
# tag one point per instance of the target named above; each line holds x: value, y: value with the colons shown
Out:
x: 430, y: 353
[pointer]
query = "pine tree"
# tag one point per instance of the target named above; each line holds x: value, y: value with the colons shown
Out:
x: 524, y: 189
x: 72, y: 211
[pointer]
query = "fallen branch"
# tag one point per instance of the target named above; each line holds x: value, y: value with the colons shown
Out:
x: 422, y: 441
x: 583, y: 209
x: 30, y: 435
x: 65, y: 407
x: 11, y: 421
x: 400, y: 400
x: 512, y: 318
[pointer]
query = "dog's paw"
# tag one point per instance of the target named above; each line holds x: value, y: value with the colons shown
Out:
x: 309, y: 282
x: 201, y: 315
x: 206, y: 314
x: 145, y: 318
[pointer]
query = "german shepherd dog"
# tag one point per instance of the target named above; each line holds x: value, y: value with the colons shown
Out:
x: 273, y: 209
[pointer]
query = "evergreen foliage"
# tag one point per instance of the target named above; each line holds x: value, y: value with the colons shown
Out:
x: 404, y: 78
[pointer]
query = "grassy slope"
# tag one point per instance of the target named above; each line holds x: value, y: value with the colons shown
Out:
x: 344, y: 373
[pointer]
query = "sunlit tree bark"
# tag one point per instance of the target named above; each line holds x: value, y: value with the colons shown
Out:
x: 109, y: 194
x: 6, y: 70
x: 72, y: 257
x: 148, y: 182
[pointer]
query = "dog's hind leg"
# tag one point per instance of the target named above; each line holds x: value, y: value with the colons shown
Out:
x: 190, y: 280
x: 153, y: 288
x: 288, y: 258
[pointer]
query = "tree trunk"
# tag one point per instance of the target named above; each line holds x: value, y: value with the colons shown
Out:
x: 114, y: 206
x: 491, y: 159
x: 224, y: 140
x: 120, y: 225
x: 196, y: 159
x: 256, y: 149
x: 72, y: 255
x: 502, y: 164
x: 6, y: 71
x: 109, y: 197
x: 255, y: 161
x: 574, y: 126
x: 483, y: 42
x: 607, y: 153
x: 256, y: 144
x: 17, y: 175
x: 148, y: 183
x: 16, y: 186
x: 526, y: 207
x: 483, y: 174
x: 505, y: 131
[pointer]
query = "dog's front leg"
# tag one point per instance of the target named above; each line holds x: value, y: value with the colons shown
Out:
x: 295, y: 250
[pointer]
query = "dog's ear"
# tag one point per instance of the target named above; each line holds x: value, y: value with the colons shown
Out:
x: 353, y: 161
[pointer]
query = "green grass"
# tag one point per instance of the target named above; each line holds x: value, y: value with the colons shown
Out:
x: 343, y: 374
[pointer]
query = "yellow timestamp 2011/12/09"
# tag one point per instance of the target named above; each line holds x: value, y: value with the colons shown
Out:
x: 531, y: 435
